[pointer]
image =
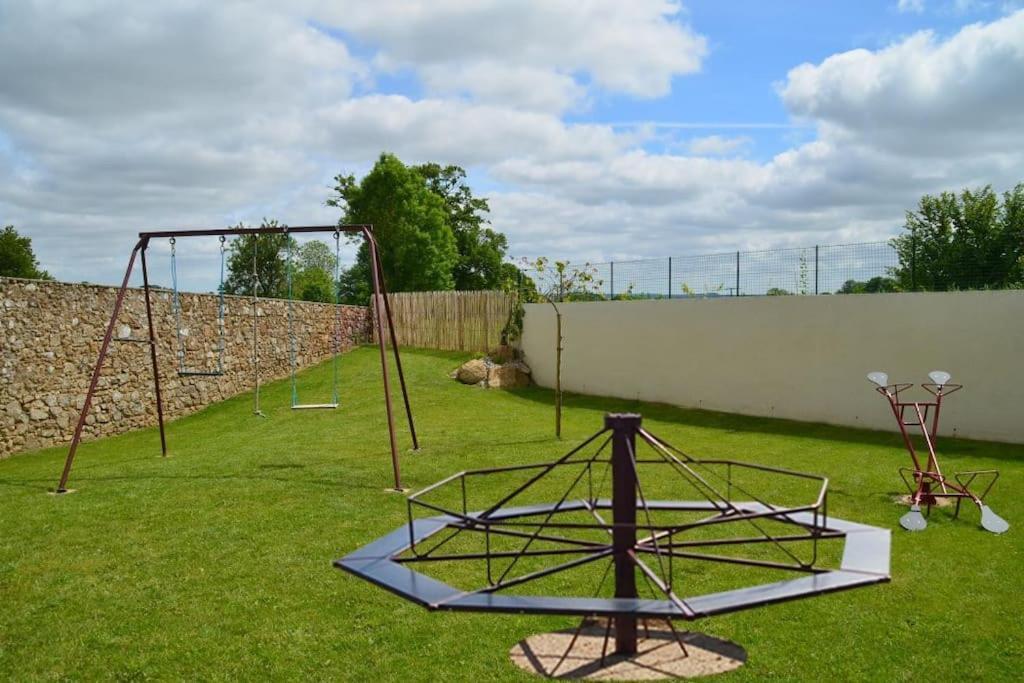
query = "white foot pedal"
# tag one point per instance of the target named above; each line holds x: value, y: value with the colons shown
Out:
x: 914, y: 520
x: 990, y: 521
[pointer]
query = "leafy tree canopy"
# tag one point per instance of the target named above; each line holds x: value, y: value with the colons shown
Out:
x: 432, y: 231
x: 313, y: 272
x: 967, y: 241
x: 481, y: 249
x: 873, y: 286
x: 269, y: 252
x: 17, y: 258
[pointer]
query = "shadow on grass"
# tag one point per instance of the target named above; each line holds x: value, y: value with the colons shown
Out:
x: 49, y: 483
x: 950, y: 448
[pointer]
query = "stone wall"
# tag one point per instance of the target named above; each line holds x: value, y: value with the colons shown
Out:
x: 50, y: 333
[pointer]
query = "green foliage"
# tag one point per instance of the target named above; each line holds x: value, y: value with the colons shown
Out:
x: 778, y: 291
x: 17, y: 258
x: 313, y: 272
x: 709, y: 291
x: 965, y: 241
x: 875, y: 285
x: 524, y: 290
x: 417, y: 246
x: 313, y: 285
x: 271, y: 267
x: 562, y: 281
x: 481, y: 250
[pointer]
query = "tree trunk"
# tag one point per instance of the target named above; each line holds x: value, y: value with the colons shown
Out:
x: 558, y: 374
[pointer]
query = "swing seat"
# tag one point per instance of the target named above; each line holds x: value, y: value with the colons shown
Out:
x: 313, y: 406
x: 199, y: 373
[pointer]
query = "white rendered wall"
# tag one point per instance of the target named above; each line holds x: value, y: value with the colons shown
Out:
x: 796, y: 357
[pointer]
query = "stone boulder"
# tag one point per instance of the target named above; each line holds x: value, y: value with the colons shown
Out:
x: 472, y: 372
x: 484, y: 372
x: 509, y: 376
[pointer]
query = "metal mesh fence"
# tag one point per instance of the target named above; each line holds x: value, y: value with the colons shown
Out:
x: 821, y: 269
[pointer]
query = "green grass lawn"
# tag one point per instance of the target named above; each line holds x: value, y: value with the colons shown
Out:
x: 215, y: 563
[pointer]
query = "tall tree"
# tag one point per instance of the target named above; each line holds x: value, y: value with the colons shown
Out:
x: 965, y: 241
x: 17, y: 258
x: 271, y: 267
x: 481, y: 249
x: 313, y: 272
x: 418, y: 248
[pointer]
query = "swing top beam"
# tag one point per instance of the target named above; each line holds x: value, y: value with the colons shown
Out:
x: 213, y: 232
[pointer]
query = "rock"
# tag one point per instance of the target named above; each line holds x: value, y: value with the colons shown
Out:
x: 503, y: 354
x: 472, y: 372
x: 38, y: 414
x: 509, y: 376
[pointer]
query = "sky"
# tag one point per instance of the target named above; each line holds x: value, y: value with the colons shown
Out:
x: 597, y: 129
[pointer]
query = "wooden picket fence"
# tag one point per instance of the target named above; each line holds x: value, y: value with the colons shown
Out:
x: 451, y: 321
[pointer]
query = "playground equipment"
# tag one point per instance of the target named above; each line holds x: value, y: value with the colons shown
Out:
x: 660, y: 541
x: 380, y: 310
x: 335, y: 334
x: 928, y: 483
x: 182, y: 333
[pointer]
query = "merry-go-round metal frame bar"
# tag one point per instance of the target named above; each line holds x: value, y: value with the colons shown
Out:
x: 389, y: 561
x: 380, y: 294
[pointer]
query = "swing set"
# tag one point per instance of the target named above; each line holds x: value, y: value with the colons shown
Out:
x: 380, y: 310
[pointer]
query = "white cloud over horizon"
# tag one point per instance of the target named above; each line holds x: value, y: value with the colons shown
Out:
x: 195, y: 114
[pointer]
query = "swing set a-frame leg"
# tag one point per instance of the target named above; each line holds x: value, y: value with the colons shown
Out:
x: 152, y: 353
x: 379, y: 324
x: 140, y: 247
x: 394, y: 349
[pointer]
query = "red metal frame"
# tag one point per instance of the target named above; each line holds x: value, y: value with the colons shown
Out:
x: 379, y: 314
x: 929, y: 483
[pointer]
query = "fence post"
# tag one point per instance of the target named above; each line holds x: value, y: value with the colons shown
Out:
x: 460, y: 318
x: 737, y: 273
x: 669, y: 277
x: 612, y: 290
x: 485, y: 303
x: 815, y: 268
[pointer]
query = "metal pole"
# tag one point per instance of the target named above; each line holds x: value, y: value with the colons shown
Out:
x: 104, y: 347
x: 152, y: 352
x: 669, y: 277
x: 379, y: 321
x: 737, y: 273
x: 612, y: 290
x: 815, y: 268
x: 255, y: 328
x: 394, y: 346
x: 624, y: 427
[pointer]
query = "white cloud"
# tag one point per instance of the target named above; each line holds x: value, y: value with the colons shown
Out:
x: 635, y: 48
x: 198, y: 114
x: 459, y: 132
x: 922, y: 96
x: 913, y: 6
x: 920, y: 116
x: 520, y: 87
x: 718, y: 145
